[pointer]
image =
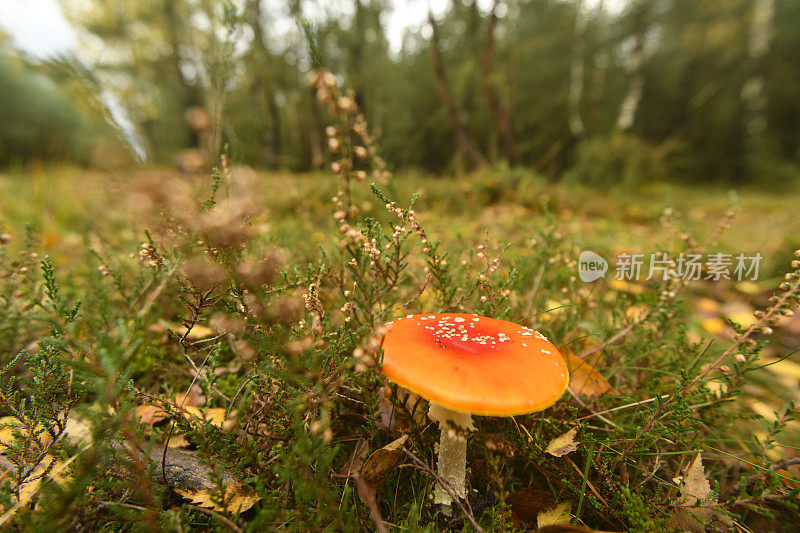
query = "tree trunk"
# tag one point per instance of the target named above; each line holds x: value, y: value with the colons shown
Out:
x: 500, y: 116
x: 601, y: 56
x: 576, y: 73
x: 186, y: 95
x: 272, y: 134
x: 753, y: 90
x: 356, y: 61
x: 630, y: 104
x: 472, y: 48
x: 465, y: 142
x: 174, y: 31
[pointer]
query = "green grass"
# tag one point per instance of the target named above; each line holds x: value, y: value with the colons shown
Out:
x: 289, y: 372
x: 63, y: 203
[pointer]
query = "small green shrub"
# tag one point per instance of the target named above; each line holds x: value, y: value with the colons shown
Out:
x: 620, y: 159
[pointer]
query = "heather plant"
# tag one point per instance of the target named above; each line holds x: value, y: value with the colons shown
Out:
x: 210, y: 379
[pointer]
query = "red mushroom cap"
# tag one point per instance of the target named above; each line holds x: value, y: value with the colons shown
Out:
x: 474, y: 364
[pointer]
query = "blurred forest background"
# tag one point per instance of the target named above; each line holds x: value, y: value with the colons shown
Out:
x: 596, y: 92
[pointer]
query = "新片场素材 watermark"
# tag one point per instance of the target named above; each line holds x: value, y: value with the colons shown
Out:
x: 659, y: 265
x: 591, y: 266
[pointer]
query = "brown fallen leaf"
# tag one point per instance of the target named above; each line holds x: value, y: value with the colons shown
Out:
x: 233, y: 368
x: 194, y: 397
x: 695, y: 486
x: 695, y: 489
x: 356, y: 458
x: 396, y: 418
x: 150, y: 415
x: 374, y: 470
x: 564, y: 444
x: 584, y: 379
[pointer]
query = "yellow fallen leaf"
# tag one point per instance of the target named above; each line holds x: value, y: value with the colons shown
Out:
x: 215, y: 415
x: 78, y: 430
x: 762, y: 409
x: 198, y: 331
x: 7, y: 426
x: 178, y: 441
x: 564, y: 444
x: 715, y: 325
x: 717, y: 388
x: 782, y: 367
x: 552, y: 309
x: 742, y: 318
x: 706, y: 306
x: 585, y: 379
x: 636, y: 312
x: 555, y: 516
x: 625, y: 286
x: 28, y: 490
x: 748, y: 287
x: 236, y: 499
x: 739, y: 312
x: 10, y: 424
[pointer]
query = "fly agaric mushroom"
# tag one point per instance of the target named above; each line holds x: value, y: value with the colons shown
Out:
x: 468, y: 364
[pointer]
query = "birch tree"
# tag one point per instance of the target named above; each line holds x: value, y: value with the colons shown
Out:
x: 633, y: 65
x: 755, y: 100
x: 577, y: 73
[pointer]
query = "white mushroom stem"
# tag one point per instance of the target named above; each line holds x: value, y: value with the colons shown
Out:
x: 452, y: 461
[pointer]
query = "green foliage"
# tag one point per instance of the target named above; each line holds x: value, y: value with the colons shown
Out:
x: 704, y: 103
x: 619, y: 160
x: 43, y: 118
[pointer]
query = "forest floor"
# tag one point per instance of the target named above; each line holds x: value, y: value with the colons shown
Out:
x: 72, y: 208
x: 71, y: 211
